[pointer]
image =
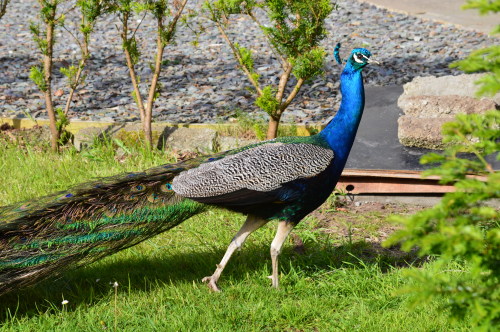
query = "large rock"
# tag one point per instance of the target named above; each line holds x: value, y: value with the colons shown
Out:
x: 460, y: 85
x: 443, y: 106
x: 421, y: 132
x: 86, y: 137
x: 133, y: 132
x: 225, y: 143
x: 429, y: 102
x: 35, y: 136
x: 164, y: 136
x: 202, y: 140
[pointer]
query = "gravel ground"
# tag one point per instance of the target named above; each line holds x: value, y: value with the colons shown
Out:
x: 202, y: 83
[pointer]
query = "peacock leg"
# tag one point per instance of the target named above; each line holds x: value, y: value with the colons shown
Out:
x: 284, y: 228
x: 251, y: 224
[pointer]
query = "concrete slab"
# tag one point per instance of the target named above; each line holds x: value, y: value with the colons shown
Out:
x: 444, y: 11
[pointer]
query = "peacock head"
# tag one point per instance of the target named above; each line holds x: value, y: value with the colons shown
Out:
x: 359, y: 58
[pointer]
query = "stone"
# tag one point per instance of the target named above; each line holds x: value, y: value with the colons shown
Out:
x: 131, y: 132
x: 421, y: 132
x: 211, y: 68
x: 438, y: 106
x: 182, y: 139
x: 225, y: 143
x: 429, y: 102
x: 84, y: 138
x: 460, y: 85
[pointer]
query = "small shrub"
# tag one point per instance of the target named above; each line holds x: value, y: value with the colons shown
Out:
x: 464, y: 226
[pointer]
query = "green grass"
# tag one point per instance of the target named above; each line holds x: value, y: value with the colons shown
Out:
x: 336, y: 285
x: 34, y: 171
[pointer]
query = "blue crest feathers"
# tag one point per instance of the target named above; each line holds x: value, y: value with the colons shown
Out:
x: 336, y: 53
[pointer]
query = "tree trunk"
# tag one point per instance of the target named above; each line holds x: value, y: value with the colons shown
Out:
x: 47, y: 68
x: 160, y: 47
x: 131, y: 69
x: 148, y: 135
x: 272, y: 129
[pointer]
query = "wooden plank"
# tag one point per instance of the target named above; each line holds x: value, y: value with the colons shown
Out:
x: 390, y: 182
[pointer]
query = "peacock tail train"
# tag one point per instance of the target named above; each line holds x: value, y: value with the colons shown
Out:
x: 43, y: 237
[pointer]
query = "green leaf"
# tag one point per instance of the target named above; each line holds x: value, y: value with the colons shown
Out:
x: 131, y: 46
x: 267, y: 101
x: 37, y: 76
x: 484, y: 6
x: 310, y: 64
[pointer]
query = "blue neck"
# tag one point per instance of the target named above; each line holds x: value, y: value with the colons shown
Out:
x: 340, y: 132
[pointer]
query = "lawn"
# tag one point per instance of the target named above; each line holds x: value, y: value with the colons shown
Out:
x: 335, y: 276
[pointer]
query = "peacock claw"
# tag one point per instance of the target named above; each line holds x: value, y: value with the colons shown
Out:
x: 211, y: 284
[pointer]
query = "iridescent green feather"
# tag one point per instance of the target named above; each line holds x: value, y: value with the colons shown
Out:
x: 42, y: 237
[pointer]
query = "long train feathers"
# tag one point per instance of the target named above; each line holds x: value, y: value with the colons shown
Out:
x: 42, y: 237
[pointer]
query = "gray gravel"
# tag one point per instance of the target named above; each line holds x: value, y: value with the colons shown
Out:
x: 202, y: 83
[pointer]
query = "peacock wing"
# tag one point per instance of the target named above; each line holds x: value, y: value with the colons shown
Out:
x: 265, y: 173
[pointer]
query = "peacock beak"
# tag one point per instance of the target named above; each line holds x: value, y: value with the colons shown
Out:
x: 370, y: 60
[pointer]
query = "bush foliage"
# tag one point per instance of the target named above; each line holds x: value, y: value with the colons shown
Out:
x: 465, y: 225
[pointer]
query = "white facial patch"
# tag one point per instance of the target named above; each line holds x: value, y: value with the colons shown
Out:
x: 357, y: 58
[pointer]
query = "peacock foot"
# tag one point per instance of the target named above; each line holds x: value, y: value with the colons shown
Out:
x: 275, y: 282
x: 211, y: 283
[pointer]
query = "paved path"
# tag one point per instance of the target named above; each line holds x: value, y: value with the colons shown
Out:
x: 378, y: 134
x: 448, y: 11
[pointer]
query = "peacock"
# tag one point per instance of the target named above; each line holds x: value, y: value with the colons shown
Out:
x: 282, y: 179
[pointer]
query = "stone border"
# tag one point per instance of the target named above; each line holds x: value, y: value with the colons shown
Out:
x: 75, y: 126
x: 200, y: 138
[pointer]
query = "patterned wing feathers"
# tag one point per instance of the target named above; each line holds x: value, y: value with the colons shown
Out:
x: 263, y: 169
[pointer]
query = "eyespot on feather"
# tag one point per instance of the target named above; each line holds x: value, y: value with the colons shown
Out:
x: 132, y: 197
x: 154, y: 198
x: 166, y: 187
x: 138, y: 188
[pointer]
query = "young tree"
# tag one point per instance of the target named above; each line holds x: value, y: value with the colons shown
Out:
x: 297, y: 28
x: 44, y: 37
x: 463, y: 226
x: 161, y: 11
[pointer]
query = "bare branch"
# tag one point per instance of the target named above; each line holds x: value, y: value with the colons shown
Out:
x: 268, y: 41
x: 131, y: 69
x: 283, y: 81
x: 74, y: 37
x: 173, y: 23
x: 83, y: 60
x: 138, y: 25
x: 3, y: 7
x: 292, y: 95
x: 240, y: 60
